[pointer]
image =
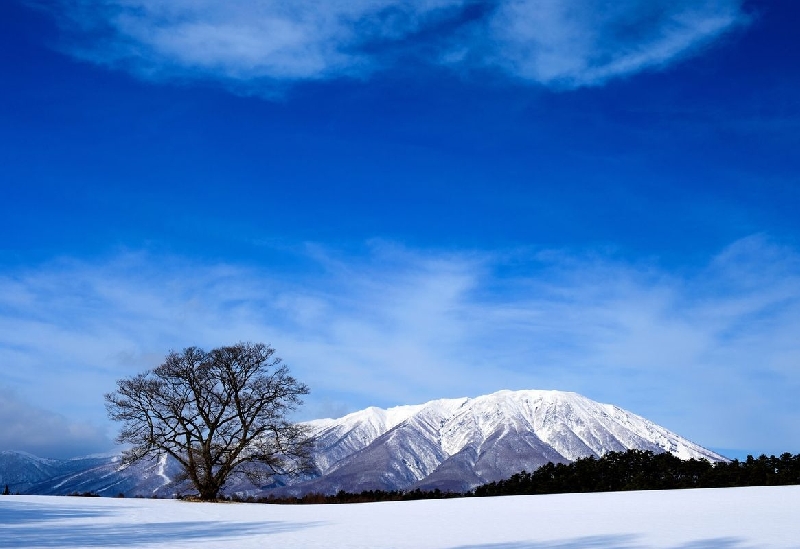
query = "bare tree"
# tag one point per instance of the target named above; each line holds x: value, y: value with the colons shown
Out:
x: 218, y: 413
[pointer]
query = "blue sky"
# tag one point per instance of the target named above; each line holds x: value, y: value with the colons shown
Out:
x: 408, y: 200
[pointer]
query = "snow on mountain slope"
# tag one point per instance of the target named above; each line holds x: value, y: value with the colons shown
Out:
x: 450, y: 444
x: 349, y: 434
x: 107, y: 477
x: 24, y: 472
x: 456, y: 444
x: 19, y: 470
x: 379, y: 449
x: 573, y: 425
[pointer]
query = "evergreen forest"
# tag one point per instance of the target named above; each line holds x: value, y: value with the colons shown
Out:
x: 645, y: 470
x: 615, y: 471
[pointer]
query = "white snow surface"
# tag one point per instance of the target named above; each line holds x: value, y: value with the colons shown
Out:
x: 728, y: 518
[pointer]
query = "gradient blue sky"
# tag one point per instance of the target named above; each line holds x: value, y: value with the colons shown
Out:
x: 408, y: 200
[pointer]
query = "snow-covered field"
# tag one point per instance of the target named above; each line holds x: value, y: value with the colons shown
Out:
x: 730, y: 518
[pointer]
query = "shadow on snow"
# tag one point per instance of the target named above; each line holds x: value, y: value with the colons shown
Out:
x: 38, y: 526
x: 609, y: 542
x: 20, y: 514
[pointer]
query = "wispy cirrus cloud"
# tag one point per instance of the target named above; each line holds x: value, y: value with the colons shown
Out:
x: 252, y: 45
x: 711, y: 353
x: 559, y: 43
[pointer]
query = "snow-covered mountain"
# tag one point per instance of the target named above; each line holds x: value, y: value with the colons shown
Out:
x: 26, y: 473
x: 450, y: 444
x: 457, y: 444
x: 21, y: 469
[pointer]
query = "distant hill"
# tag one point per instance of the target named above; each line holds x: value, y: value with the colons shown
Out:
x: 26, y: 473
x: 451, y: 444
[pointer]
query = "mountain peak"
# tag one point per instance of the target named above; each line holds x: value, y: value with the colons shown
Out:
x: 451, y: 444
x: 489, y: 437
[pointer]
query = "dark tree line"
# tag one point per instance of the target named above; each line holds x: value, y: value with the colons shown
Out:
x: 366, y: 496
x: 615, y: 471
x: 644, y: 470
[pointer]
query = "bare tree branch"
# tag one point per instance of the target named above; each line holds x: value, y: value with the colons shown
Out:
x: 218, y: 413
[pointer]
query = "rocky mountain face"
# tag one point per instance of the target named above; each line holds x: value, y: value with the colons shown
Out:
x: 26, y: 473
x: 22, y: 470
x: 457, y: 444
x: 451, y: 444
x: 103, y: 475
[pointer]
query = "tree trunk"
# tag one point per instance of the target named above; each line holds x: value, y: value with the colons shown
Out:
x: 209, y: 492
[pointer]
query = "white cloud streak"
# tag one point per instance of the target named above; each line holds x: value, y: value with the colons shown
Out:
x: 252, y: 45
x: 568, y: 44
x: 711, y: 354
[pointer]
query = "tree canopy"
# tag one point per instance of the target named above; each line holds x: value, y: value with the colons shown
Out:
x: 646, y: 470
x: 218, y: 413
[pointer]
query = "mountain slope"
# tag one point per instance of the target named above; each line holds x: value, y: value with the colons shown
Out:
x: 19, y: 470
x: 459, y: 443
x: 449, y: 444
x: 27, y: 473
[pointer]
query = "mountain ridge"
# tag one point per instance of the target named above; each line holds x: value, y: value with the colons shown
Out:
x: 456, y: 444
x: 450, y: 444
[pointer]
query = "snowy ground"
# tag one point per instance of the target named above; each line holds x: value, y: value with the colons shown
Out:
x: 733, y: 518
